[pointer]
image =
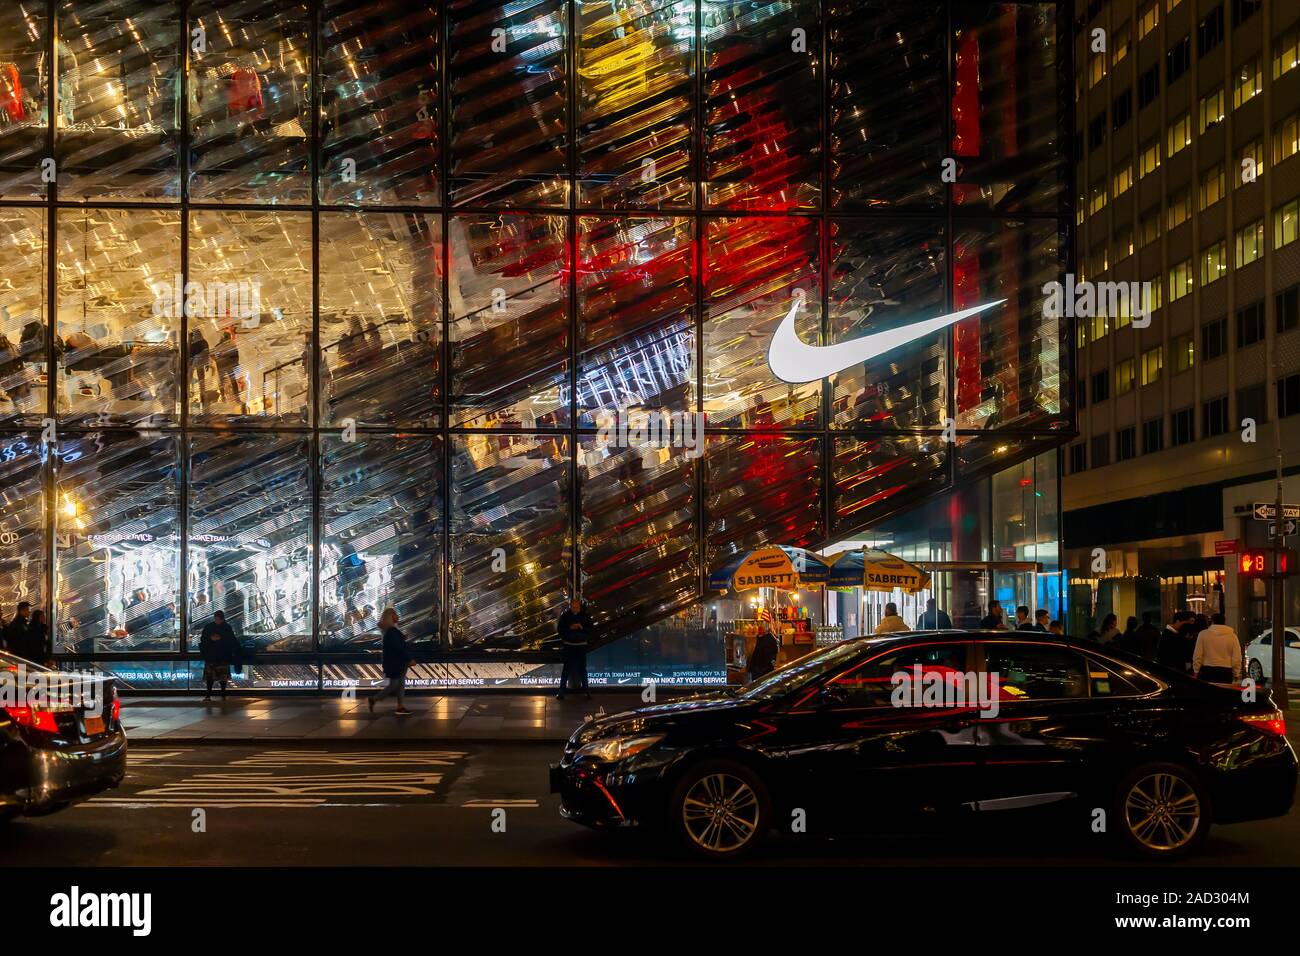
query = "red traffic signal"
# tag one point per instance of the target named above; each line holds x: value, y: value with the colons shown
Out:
x: 1257, y: 562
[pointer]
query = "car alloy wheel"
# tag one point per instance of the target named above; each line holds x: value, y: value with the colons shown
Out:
x: 721, y: 813
x: 1256, y: 671
x: 1163, y: 811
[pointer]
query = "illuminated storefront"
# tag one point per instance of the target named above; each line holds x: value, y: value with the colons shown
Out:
x: 308, y: 309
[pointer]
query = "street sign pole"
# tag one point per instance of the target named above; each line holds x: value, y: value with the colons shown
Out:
x: 1279, y: 625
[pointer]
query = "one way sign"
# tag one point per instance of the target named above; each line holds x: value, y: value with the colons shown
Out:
x: 1267, y: 511
x: 1288, y: 528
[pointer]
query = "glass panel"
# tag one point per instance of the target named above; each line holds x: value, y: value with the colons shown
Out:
x: 24, y: 368
x: 120, y: 304
x: 887, y: 137
x: 23, y: 562
x: 636, y: 306
x: 1008, y: 90
x: 887, y: 275
x: 510, y: 546
x: 250, y: 101
x: 381, y: 318
x: 380, y: 101
x: 636, y: 69
x: 875, y: 477
x: 117, y: 533
x: 1008, y: 359
x: 763, y: 85
x: 986, y: 454
x: 509, y: 321
x: 761, y: 490
x: 23, y: 83
x: 638, y: 529
x: 381, y: 538
x: 249, y: 341
x: 757, y: 269
x: 509, y: 103
x: 250, y: 538
x: 119, y: 99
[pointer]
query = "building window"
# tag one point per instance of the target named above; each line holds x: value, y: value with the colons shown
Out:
x: 1096, y: 69
x: 1286, y: 143
x: 1149, y: 86
x: 1081, y: 394
x: 1287, y: 309
x: 1148, y: 19
x: 1126, y: 444
x: 1252, y: 403
x: 1178, y: 59
x: 1250, y: 82
x: 1097, y: 198
x: 1254, y: 151
x: 1153, y: 436
x: 1288, y: 396
x: 1214, y: 417
x: 1148, y: 158
x: 1152, y: 363
x: 1285, y: 220
x: 1180, y: 280
x: 1250, y: 324
x: 1211, y: 186
x: 1078, y: 458
x: 1100, y: 386
x: 1180, y: 207
x: 1124, y: 377
x: 1214, y: 262
x: 1248, y: 244
x: 1286, y: 51
x: 1121, y: 109
x: 1097, y: 130
x: 1155, y: 286
x: 1099, y: 260
x: 1170, y: 4
x: 1182, y: 427
x: 1100, y: 450
x: 1123, y: 179
x: 1180, y: 134
x: 1211, y: 110
x: 1119, y: 42
x: 1243, y: 10
x: 1214, y: 339
x: 1098, y: 326
x: 1182, y: 350
x: 1209, y: 33
x: 1149, y: 225
x: 1123, y: 243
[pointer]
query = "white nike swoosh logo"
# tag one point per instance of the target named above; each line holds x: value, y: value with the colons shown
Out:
x: 794, y: 361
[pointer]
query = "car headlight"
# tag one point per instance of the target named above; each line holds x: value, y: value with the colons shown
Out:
x: 617, y: 748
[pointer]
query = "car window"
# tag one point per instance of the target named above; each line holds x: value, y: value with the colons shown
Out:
x: 1036, y: 671
x: 872, y: 683
x: 791, y: 676
x: 1117, y: 680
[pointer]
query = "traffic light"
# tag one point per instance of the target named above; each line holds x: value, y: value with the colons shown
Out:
x: 1258, y: 562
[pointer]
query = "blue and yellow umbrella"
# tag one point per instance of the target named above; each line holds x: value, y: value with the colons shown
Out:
x: 874, y: 570
x: 776, y: 567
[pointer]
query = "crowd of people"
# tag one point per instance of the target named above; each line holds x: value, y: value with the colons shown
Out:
x: 26, y: 634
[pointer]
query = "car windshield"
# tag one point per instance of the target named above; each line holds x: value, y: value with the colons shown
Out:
x: 796, y: 674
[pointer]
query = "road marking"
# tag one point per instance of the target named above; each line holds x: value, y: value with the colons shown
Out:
x: 132, y: 803
x: 244, y: 785
x: 493, y: 804
x: 287, y: 758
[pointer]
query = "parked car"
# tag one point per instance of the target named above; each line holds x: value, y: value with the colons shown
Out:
x: 54, y: 756
x: 1259, y: 655
x: 1074, y: 727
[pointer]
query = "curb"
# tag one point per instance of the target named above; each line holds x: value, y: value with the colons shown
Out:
x: 314, y: 742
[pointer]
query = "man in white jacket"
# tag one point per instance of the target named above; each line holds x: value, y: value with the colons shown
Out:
x: 1217, y: 657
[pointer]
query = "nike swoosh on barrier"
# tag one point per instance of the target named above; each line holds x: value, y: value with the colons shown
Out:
x: 794, y: 361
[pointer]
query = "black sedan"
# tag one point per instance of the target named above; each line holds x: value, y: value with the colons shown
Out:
x: 870, y: 734
x: 61, y: 738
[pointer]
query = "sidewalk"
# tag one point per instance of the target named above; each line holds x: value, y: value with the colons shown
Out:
x: 484, y: 717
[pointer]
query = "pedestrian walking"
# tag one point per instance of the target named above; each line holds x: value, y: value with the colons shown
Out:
x: 892, y: 622
x: 1146, y: 639
x: 1217, y: 657
x: 934, y: 619
x: 763, y: 660
x: 35, y: 642
x: 221, y: 654
x: 575, y: 631
x: 397, y: 658
x: 1109, y: 630
x: 1173, y: 647
x: 15, y: 632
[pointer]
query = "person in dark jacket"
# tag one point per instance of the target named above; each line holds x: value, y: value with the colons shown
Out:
x: 15, y: 631
x: 575, y: 632
x: 993, y: 620
x: 1174, y: 648
x: 220, y: 651
x: 763, y: 661
x: 397, y: 658
x: 1146, y: 638
x: 933, y: 618
x: 33, y: 645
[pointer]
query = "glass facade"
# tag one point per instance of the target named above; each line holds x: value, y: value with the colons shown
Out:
x: 311, y: 308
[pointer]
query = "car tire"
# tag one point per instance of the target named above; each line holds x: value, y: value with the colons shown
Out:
x: 720, y: 810
x: 1256, y: 671
x: 1161, y: 811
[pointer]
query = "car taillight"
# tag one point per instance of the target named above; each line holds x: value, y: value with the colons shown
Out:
x: 1272, y: 723
x: 35, y: 718
x: 117, y: 709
